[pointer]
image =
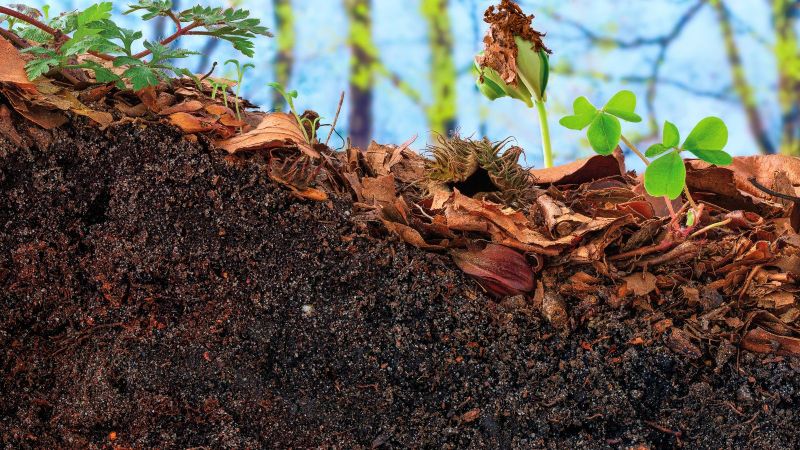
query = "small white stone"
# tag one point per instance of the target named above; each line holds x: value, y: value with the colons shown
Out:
x: 308, y: 310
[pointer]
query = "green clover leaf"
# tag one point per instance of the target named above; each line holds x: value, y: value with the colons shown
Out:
x: 604, y: 134
x: 666, y: 176
x: 623, y: 105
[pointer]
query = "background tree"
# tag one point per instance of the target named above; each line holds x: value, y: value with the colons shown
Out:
x: 442, y: 112
x: 363, y: 54
x: 285, y: 40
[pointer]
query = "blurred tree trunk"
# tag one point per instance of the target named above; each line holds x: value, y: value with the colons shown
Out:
x: 442, y: 111
x: 284, y: 58
x: 740, y: 83
x: 363, y: 57
x: 787, y: 55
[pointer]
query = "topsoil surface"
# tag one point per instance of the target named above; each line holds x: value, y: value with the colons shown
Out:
x: 155, y: 293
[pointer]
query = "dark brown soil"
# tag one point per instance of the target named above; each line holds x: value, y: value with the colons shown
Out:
x: 155, y: 293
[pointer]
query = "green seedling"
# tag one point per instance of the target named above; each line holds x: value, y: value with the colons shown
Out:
x: 531, y: 73
x: 666, y: 175
x: 219, y: 86
x: 289, y: 97
x: 92, y: 31
x: 240, y: 70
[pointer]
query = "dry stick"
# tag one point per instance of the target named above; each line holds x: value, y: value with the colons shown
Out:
x: 335, y: 119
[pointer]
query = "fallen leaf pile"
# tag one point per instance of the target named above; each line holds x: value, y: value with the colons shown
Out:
x: 590, y: 235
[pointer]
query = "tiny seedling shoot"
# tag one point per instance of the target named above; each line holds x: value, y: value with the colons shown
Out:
x: 240, y: 71
x: 289, y: 97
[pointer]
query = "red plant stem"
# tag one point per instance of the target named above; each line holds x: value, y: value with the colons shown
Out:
x: 10, y: 36
x: 180, y: 32
x: 28, y: 19
x: 101, y: 55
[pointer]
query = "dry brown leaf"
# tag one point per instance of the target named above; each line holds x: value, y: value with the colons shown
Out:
x: 219, y: 110
x: 641, y: 283
x: 761, y: 167
x: 185, y: 107
x: 759, y: 340
x: 230, y: 121
x: 776, y: 300
x: 580, y: 171
x: 410, y: 235
x: 275, y: 130
x: 13, y: 68
x: 44, y: 117
x: 189, y: 123
x: 680, y: 342
x: 378, y: 190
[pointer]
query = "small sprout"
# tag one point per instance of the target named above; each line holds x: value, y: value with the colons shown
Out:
x: 515, y: 63
x: 240, y: 71
x: 289, y: 97
x: 219, y: 86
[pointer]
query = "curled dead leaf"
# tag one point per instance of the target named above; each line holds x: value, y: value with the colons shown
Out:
x: 275, y: 130
x: 185, y: 107
x: 641, y: 283
x: 13, y: 68
x: 759, y: 340
x: 581, y: 171
x: 189, y: 123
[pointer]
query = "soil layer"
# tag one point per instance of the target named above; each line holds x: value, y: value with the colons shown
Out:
x: 155, y: 293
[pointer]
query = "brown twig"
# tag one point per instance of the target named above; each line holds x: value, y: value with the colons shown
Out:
x: 335, y: 119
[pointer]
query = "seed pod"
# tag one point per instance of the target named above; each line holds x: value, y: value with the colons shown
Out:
x: 533, y: 67
x: 499, y: 269
x: 493, y: 87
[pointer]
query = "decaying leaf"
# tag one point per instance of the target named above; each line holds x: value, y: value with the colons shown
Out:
x: 580, y: 171
x: 759, y: 340
x: 275, y: 130
x: 12, y: 70
x: 641, y: 283
x: 189, y: 123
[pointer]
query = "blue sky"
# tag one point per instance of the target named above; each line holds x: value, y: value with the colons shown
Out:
x: 695, y: 59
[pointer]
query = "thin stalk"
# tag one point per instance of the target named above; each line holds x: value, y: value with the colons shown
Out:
x: 689, y: 196
x: 635, y: 150
x: 547, y: 149
x: 646, y: 161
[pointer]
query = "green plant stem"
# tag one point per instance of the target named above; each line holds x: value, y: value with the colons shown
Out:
x: 689, y: 196
x: 635, y: 150
x: 710, y: 227
x: 547, y: 149
x: 646, y: 161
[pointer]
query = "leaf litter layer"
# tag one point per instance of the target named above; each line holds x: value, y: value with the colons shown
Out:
x: 572, y: 244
